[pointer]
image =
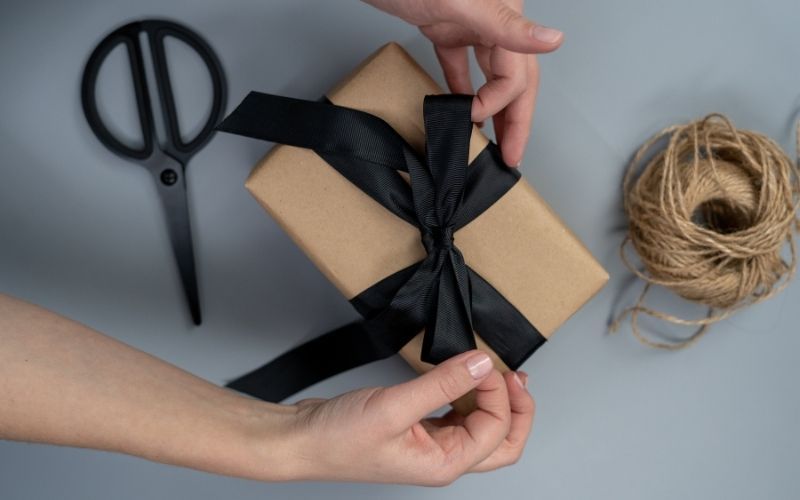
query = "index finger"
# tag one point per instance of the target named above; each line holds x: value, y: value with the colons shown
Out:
x: 522, y: 412
x: 517, y: 118
x: 488, y: 425
x: 509, y: 80
x: 499, y: 23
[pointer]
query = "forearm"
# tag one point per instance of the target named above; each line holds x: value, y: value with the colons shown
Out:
x: 63, y: 383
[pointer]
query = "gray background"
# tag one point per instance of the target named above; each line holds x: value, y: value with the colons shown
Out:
x: 81, y: 233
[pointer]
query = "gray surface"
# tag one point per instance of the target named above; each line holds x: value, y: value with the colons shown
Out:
x: 81, y: 233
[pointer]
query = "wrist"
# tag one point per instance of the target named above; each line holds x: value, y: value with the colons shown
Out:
x: 265, y: 443
x: 229, y: 434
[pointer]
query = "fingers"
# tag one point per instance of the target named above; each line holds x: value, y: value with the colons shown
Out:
x: 523, y: 410
x: 491, y: 436
x: 517, y: 118
x: 467, y: 442
x: 464, y: 442
x: 509, y: 94
x: 413, y: 400
x: 489, y: 424
x: 482, y: 55
x: 512, y: 125
x: 450, y: 35
x: 509, y: 80
x: 497, y: 23
x: 455, y: 64
x: 309, y: 402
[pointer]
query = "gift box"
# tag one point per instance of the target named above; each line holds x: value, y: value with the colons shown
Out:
x: 527, y: 256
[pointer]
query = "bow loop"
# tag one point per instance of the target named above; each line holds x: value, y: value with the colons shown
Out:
x: 448, y: 126
x: 440, y: 294
x: 437, y: 200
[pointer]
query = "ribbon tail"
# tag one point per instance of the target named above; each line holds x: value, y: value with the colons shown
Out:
x: 337, y: 351
x: 449, y: 329
x: 493, y: 317
x: 307, y: 364
x: 440, y: 294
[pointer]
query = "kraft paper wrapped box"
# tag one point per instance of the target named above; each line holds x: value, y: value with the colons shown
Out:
x: 518, y: 244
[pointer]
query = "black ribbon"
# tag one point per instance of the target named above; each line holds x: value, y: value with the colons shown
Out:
x: 440, y: 294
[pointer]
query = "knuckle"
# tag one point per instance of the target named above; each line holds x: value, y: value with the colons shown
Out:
x: 375, y: 401
x: 438, y: 482
x: 516, y: 443
x: 520, y: 83
x: 446, y: 476
x: 527, y: 405
x: 309, y: 402
x: 506, y: 424
x: 508, y: 415
x: 442, y: 9
x: 502, y: 416
x: 484, y: 41
x: 449, y: 385
x: 430, y: 31
x: 515, y: 456
x: 505, y: 15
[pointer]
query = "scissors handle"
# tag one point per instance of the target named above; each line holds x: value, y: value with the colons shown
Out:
x: 176, y: 147
x: 170, y: 181
x: 157, y: 30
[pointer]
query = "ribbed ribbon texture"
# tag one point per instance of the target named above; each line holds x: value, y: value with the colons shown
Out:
x: 440, y: 294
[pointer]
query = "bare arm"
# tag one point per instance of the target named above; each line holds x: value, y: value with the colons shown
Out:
x: 63, y: 383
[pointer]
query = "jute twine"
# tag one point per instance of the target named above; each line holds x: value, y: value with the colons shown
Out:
x: 711, y: 217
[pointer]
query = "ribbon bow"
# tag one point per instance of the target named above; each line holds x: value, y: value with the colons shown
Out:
x: 441, y: 293
x: 441, y: 283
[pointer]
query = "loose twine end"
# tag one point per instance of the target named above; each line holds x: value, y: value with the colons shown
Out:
x: 710, y: 217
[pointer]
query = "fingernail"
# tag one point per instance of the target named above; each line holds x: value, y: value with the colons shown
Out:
x: 524, y: 377
x: 519, y: 381
x: 545, y: 34
x: 479, y: 365
x: 518, y: 164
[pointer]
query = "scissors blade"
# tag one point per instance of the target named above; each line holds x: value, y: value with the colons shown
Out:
x: 172, y: 191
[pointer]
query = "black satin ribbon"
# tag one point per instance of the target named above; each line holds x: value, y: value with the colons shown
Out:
x: 440, y: 294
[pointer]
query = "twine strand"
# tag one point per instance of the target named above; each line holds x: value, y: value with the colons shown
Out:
x: 710, y: 216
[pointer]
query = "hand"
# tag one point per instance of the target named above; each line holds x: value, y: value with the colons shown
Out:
x: 382, y: 435
x: 504, y: 42
x: 65, y: 384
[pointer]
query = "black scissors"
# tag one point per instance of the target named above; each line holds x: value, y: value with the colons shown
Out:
x: 168, y: 174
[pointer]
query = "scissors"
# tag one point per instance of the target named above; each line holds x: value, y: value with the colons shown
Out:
x: 166, y: 161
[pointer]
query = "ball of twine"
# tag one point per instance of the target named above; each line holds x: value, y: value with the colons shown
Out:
x: 711, y: 216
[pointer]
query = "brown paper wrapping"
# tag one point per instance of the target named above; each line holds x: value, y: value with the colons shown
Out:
x: 518, y: 245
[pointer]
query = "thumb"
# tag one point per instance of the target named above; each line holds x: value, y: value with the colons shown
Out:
x: 499, y: 24
x: 445, y: 383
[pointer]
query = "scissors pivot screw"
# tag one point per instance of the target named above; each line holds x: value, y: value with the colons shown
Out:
x: 169, y: 177
x: 174, y: 199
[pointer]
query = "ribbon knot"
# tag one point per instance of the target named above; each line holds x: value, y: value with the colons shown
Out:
x: 437, y: 238
x: 441, y: 293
